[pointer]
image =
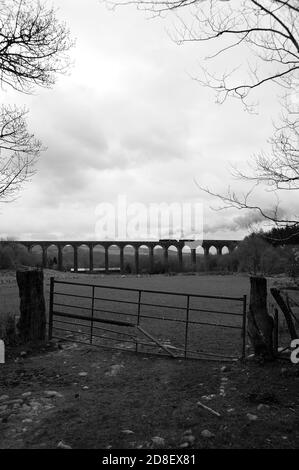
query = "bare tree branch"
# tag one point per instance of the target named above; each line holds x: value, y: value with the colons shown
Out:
x: 270, y: 29
x: 33, y: 50
x: 19, y: 151
x: 33, y: 45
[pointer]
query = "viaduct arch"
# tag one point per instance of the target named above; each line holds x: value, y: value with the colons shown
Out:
x: 164, y: 245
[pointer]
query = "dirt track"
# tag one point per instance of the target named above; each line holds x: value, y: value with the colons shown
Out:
x: 85, y: 397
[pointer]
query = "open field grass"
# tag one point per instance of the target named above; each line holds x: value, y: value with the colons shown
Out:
x: 229, y: 285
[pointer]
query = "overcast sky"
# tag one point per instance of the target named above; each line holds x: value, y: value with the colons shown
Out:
x: 128, y: 119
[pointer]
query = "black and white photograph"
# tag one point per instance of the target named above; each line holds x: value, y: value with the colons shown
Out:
x: 149, y: 231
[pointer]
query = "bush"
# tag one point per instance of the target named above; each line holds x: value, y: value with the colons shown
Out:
x: 211, y: 263
x: 13, y: 255
x: 292, y: 261
x: 6, y: 257
x: 273, y: 261
x: 250, y: 252
x: 254, y: 255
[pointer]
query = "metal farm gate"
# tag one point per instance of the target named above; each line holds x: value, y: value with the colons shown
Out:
x: 181, y: 325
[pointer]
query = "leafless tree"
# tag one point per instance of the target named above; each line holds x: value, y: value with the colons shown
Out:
x: 270, y: 29
x: 280, y: 169
x: 19, y: 151
x: 33, y: 49
x: 33, y: 44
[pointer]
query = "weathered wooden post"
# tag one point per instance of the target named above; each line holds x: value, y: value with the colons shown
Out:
x: 32, y: 322
x: 260, y: 323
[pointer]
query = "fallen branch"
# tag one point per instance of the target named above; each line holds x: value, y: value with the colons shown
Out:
x: 155, y: 340
x: 209, y: 409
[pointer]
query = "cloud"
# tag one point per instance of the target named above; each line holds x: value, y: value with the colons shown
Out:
x: 128, y: 120
x: 248, y: 221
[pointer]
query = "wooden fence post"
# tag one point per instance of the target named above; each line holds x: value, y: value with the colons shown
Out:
x: 32, y: 322
x: 260, y: 323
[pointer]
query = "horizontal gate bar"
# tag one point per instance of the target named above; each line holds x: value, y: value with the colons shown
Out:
x: 98, y: 320
x: 71, y: 323
x: 214, y: 324
x: 115, y: 300
x: 102, y: 286
x: 146, y: 304
x: 56, y: 304
x: 72, y: 295
x: 154, y: 317
x: 216, y: 311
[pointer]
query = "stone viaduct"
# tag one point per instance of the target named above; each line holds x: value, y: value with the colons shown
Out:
x: 136, y: 245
